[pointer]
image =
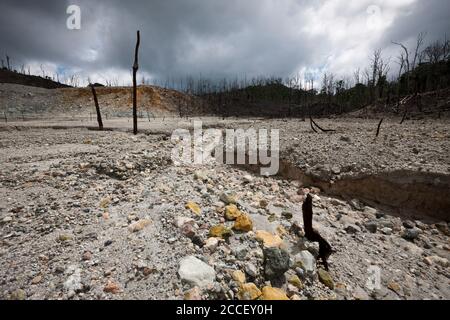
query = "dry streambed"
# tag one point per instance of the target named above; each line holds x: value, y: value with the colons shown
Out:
x: 104, y: 215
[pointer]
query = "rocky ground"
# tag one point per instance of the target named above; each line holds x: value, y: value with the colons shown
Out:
x: 106, y: 215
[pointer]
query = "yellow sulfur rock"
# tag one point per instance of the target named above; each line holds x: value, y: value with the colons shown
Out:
x: 194, y: 207
x: 248, y: 291
x: 243, y: 223
x: 269, y: 293
x: 238, y: 276
x: 139, y: 225
x: 105, y: 202
x: 232, y: 212
x: 219, y: 231
x: 269, y: 240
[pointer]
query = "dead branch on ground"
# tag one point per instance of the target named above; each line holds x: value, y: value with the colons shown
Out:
x: 315, y: 124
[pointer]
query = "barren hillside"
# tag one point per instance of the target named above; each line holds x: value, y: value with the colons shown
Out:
x: 114, y: 101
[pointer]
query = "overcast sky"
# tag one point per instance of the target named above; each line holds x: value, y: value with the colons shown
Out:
x: 215, y: 38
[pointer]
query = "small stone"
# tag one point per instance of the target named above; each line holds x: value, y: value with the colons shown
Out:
x: 87, y: 255
x: 196, y: 272
x: 306, y: 261
x: 263, y: 203
x: 108, y: 243
x: 172, y: 240
x: 211, y: 244
x: 73, y: 282
x: 193, y: 294
x: 200, y: 175
x: 386, y: 231
x: 295, y: 281
x: 443, y: 227
x: 228, y: 197
x: 105, y: 202
x: 36, y: 279
x: 431, y: 260
x: 352, y: 228
x: 394, y: 286
x: 220, y: 231
x: 181, y: 221
x: 371, y: 226
x: 194, y: 207
x: 111, y: 287
x: 408, y: 224
x: 18, y: 294
x: 247, y: 178
x: 325, y: 278
x: 269, y: 240
x: 243, y: 223
x: 287, y: 214
x: 232, y: 212
x: 269, y: 293
x: 360, y: 294
x: 248, y: 291
x: 251, y: 270
x: 379, y: 214
x: 276, y: 262
x: 238, y: 276
x: 411, y: 234
x: 188, y: 230
x: 7, y: 219
x: 139, y: 225
x: 64, y: 237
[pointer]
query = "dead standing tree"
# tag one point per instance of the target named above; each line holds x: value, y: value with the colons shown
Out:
x: 97, y: 108
x: 325, y: 249
x: 135, y: 69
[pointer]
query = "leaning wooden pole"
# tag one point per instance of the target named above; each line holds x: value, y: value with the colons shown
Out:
x: 97, y: 108
x: 135, y: 69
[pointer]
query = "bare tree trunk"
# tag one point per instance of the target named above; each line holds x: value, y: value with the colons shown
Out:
x: 135, y: 69
x: 325, y: 249
x: 97, y: 108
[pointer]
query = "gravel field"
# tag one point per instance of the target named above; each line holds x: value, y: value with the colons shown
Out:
x: 107, y: 215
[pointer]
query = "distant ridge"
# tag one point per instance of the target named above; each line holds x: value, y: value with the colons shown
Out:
x: 7, y: 76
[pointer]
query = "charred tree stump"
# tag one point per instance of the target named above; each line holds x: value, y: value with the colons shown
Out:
x: 135, y: 69
x: 97, y: 108
x: 379, y: 127
x: 404, y: 115
x: 325, y: 249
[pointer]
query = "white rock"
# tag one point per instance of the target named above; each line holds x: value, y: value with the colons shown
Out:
x: 305, y: 260
x: 73, y: 282
x: 211, y: 243
x: 181, y: 221
x: 196, y: 272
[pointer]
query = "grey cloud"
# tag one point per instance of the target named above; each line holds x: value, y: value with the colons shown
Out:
x: 214, y: 37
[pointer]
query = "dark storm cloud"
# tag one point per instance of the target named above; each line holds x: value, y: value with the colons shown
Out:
x: 212, y: 37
